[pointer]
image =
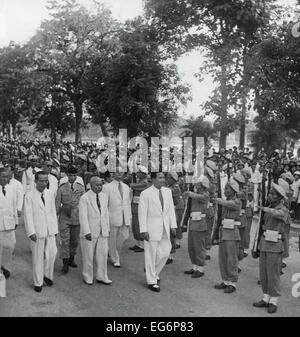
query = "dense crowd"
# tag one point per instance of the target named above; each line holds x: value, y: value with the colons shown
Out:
x: 60, y: 189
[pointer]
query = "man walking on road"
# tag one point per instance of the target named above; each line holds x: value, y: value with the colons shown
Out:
x: 41, y: 228
x: 94, y: 232
x: 157, y: 221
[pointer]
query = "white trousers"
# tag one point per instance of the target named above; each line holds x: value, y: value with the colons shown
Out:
x: 156, y: 256
x: 255, y: 197
x: 7, y: 247
x: 44, y: 252
x: 98, y: 247
x: 117, y: 237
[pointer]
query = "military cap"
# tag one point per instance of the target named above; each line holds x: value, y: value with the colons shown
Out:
x: 285, y: 185
x: 144, y: 169
x: 33, y: 157
x: 203, y: 181
x: 297, y: 173
x: 279, y: 189
x: 239, y: 178
x: 233, y: 184
x: 212, y: 165
x: 48, y: 162
x: 241, y: 163
x: 174, y: 176
x: 209, y: 171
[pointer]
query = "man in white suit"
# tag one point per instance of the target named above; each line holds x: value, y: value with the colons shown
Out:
x: 7, y: 222
x: 157, y: 220
x: 120, y: 216
x: 52, y: 180
x: 94, y: 232
x: 41, y: 228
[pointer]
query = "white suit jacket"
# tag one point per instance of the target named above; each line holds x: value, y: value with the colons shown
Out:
x: 28, y: 179
x: 152, y: 218
x: 53, y: 184
x: 18, y: 188
x: 39, y: 219
x: 89, y: 215
x: 7, y: 208
x: 116, y: 206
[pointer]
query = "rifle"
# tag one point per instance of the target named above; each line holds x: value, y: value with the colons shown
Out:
x: 186, y: 212
x: 216, y: 231
x: 261, y: 221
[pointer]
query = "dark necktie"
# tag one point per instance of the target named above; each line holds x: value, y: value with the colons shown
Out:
x: 43, y: 200
x: 98, y: 203
x: 48, y: 185
x: 72, y: 187
x: 3, y: 190
x: 161, y: 200
x: 121, y: 190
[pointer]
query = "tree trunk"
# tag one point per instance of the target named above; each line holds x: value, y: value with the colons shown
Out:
x: 78, y: 120
x: 243, y: 123
x: 224, y: 105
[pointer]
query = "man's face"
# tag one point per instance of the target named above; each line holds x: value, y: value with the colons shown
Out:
x: 41, y: 182
x: 4, y: 178
x: 96, y: 184
x: 159, y: 181
x: 119, y: 176
x: 72, y: 178
x: 228, y: 192
x: 273, y: 196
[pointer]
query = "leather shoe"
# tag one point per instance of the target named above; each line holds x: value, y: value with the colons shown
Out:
x: 177, y: 246
x: 197, y: 274
x: 245, y: 254
x: 37, y: 289
x: 138, y: 250
x: 89, y: 284
x: 48, y: 282
x: 72, y: 262
x: 260, y: 304
x: 5, y: 272
x: 107, y: 283
x: 169, y: 261
x: 283, y: 265
x: 207, y: 257
x: 229, y: 289
x: 117, y: 265
x: 221, y: 286
x: 154, y: 287
x: 189, y: 272
x: 134, y: 247
x: 272, y: 308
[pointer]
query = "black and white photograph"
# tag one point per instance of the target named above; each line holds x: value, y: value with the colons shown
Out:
x: 149, y: 161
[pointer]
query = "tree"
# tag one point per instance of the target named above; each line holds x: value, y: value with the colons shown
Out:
x: 66, y: 48
x: 138, y: 91
x: 217, y: 27
x: 14, y: 73
x: 275, y: 72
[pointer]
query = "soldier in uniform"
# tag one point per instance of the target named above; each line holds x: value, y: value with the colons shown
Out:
x: 271, y: 249
x: 198, y: 227
x: 137, y: 188
x: 172, y: 183
x: 229, y: 237
x: 67, y: 203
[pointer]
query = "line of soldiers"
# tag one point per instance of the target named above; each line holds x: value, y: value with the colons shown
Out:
x: 217, y: 207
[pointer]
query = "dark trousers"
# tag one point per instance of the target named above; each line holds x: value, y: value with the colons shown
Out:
x: 69, y: 240
x: 246, y: 238
x: 136, y: 227
x: 196, y: 247
x: 210, y: 224
x: 269, y: 273
x: 228, y: 260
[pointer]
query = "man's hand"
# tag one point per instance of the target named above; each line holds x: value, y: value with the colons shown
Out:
x: 144, y: 236
x: 89, y: 237
x: 33, y: 237
x: 173, y: 232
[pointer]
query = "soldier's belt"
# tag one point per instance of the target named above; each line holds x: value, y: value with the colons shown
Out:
x: 228, y: 223
x: 196, y: 216
x: 272, y: 236
x: 136, y: 199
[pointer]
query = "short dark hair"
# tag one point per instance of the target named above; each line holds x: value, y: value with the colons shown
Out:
x: 154, y: 175
x: 40, y: 173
